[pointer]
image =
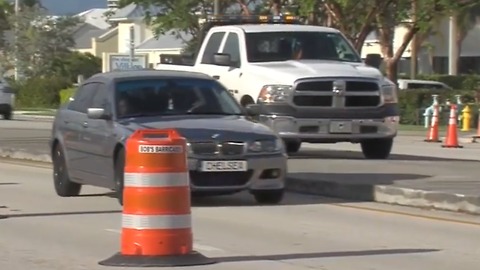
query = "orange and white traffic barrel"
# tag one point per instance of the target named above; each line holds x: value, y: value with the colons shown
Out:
x: 156, y: 218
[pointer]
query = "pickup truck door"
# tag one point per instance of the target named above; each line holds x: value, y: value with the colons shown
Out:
x: 231, y: 76
x: 205, y: 64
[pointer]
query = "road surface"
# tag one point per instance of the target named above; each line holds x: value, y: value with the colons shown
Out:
x: 43, y: 232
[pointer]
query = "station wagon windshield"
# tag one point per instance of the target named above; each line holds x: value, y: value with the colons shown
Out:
x: 177, y: 96
x: 283, y: 46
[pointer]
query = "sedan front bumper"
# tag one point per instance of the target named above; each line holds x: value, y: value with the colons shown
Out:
x: 265, y: 172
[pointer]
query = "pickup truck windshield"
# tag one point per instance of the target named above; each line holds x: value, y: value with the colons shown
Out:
x: 173, y: 96
x: 282, y: 46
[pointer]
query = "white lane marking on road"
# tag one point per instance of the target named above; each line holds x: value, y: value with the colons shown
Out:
x: 196, y: 246
x: 113, y: 231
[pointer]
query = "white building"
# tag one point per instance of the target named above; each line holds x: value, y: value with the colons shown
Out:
x: 112, y: 4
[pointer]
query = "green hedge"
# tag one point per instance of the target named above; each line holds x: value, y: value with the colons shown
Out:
x: 466, y: 82
x: 39, y: 92
x: 66, y: 94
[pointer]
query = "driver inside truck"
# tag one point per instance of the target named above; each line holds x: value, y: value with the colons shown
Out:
x: 297, y: 50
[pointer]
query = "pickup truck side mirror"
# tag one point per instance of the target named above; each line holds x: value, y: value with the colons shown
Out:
x: 373, y: 60
x: 253, y: 109
x: 222, y: 59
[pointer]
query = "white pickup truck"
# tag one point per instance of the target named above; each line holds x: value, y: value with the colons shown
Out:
x: 306, y: 82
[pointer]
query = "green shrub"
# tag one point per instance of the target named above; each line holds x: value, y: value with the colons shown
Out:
x: 466, y: 82
x: 39, y: 92
x: 66, y: 94
x: 412, y: 104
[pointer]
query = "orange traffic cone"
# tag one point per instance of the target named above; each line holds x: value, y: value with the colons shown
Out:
x: 451, y: 140
x: 432, y: 135
x: 477, y: 136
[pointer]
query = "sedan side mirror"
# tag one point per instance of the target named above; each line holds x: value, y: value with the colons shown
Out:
x: 97, y: 113
x: 253, y: 109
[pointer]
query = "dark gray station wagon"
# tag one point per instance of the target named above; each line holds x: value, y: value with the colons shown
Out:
x: 227, y: 152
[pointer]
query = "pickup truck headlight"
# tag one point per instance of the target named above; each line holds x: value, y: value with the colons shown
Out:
x: 274, y: 93
x: 265, y: 146
x: 389, y: 93
x: 189, y: 148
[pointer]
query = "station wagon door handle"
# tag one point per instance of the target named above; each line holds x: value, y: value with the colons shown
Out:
x: 216, y: 77
x: 85, y: 124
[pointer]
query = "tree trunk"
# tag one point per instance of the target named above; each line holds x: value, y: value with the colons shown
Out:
x: 391, y: 69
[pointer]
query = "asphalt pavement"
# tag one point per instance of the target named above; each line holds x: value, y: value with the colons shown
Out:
x: 44, y: 232
x: 418, y: 174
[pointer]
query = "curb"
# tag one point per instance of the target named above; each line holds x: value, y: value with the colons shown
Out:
x: 32, y: 116
x: 356, y: 192
x: 387, y: 194
x: 24, y: 156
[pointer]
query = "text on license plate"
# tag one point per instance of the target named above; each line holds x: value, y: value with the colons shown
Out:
x: 224, y: 166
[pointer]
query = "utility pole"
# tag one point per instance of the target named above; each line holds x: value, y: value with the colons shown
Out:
x: 17, y: 9
x: 216, y: 7
x: 452, y: 46
x: 414, y: 44
x: 132, y: 46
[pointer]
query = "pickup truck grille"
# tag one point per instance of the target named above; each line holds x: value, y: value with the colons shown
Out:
x: 341, y: 93
x: 218, y: 148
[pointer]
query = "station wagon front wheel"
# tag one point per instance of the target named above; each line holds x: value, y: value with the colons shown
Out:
x: 119, y: 169
x: 64, y: 187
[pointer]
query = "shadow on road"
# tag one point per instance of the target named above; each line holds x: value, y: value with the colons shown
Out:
x: 348, y: 186
x: 299, y: 256
x: 358, y: 178
x: 245, y: 199
x: 51, y: 214
x: 339, y: 154
x: 8, y: 183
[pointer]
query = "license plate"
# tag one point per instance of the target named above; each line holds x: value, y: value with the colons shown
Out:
x: 223, y: 166
x: 340, y: 127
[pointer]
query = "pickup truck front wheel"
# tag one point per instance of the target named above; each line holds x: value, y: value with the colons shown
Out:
x: 292, y: 147
x: 377, y: 148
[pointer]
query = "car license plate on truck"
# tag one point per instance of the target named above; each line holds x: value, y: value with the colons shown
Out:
x: 341, y: 127
x: 224, y: 166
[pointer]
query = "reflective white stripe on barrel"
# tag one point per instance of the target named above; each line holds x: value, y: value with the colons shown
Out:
x: 156, y: 222
x: 156, y: 179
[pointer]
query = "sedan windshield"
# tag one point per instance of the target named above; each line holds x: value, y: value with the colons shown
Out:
x: 173, y: 96
x: 282, y: 46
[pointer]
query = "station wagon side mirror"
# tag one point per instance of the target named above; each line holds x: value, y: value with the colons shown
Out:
x: 97, y: 113
x: 222, y: 59
x: 253, y: 109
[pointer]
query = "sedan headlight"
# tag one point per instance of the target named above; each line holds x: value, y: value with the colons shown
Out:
x: 265, y: 146
x: 274, y: 93
x: 389, y: 93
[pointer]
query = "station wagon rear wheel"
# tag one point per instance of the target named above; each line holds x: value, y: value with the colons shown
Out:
x: 64, y: 187
x: 269, y: 196
x: 119, y: 169
x: 7, y: 115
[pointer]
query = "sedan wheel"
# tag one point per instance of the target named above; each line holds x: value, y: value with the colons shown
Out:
x: 63, y: 186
